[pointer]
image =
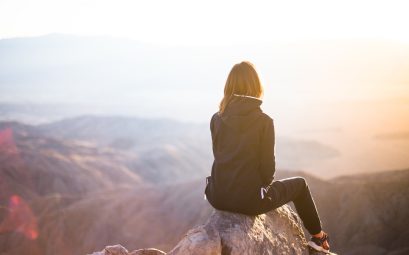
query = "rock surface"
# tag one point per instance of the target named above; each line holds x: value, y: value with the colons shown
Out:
x: 120, y: 250
x: 276, y: 232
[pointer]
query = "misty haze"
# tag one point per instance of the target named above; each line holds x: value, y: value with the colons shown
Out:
x: 340, y: 107
x: 105, y: 134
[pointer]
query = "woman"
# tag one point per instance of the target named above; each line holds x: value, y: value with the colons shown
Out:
x: 242, y: 177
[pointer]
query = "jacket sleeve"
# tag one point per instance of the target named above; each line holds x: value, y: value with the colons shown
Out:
x: 212, y: 126
x: 267, y: 153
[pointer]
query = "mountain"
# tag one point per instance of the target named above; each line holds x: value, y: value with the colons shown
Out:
x: 76, y: 192
x: 139, y: 147
x: 159, y: 216
x: 164, y: 147
x: 183, y: 147
x: 35, y: 165
x: 156, y: 149
x: 371, y: 212
x: 140, y: 217
x: 365, y: 213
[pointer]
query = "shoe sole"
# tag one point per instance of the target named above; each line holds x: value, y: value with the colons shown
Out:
x: 317, y: 248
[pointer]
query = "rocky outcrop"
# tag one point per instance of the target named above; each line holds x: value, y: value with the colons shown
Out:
x: 120, y: 250
x: 276, y: 232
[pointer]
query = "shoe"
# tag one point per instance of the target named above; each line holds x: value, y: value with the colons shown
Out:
x: 316, y: 243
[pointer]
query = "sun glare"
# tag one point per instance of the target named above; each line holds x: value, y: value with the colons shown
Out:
x: 208, y: 22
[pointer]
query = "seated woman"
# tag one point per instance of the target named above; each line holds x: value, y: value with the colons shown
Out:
x: 242, y: 176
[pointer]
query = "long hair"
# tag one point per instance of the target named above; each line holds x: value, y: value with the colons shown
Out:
x: 243, y: 80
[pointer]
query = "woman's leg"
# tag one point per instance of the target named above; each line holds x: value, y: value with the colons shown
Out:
x: 295, y: 189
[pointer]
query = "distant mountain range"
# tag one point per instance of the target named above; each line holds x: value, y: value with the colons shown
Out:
x: 163, y: 147
x: 79, y: 184
x: 34, y: 165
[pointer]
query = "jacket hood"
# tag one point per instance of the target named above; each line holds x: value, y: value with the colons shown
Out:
x: 242, y: 112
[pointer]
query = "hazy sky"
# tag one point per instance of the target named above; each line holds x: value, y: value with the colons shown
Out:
x: 210, y: 22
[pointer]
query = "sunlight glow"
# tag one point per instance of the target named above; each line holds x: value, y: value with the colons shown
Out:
x: 208, y: 22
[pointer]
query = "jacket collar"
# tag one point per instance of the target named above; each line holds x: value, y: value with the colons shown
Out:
x: 242, y: 105
x: 242, y: 112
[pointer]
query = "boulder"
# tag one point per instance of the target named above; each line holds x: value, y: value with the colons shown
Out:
x: 120, y: 250
x: 276, y: 232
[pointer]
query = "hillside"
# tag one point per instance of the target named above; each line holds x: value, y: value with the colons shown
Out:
x: 35, y: 165
x: 365, y: 214
x: 162, y: 147
x: 160, y: 216
x: 77, y: 196
x: 185, y: 148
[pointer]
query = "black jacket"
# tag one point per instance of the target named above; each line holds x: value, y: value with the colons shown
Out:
x: 244, y: 161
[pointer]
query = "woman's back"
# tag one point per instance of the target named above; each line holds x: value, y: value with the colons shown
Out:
x: 241, y: 143
x: 244, y: 160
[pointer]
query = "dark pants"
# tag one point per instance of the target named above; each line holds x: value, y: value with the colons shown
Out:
x: 295, y: 189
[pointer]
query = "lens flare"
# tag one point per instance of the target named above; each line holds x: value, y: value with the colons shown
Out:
x: 20, y: 218
x: 7, y: 144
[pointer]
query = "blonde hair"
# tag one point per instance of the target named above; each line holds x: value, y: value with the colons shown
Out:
x: 242, y: 80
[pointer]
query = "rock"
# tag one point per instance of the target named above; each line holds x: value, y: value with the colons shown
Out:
x: 276, y: 232
x: 120, y: 250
